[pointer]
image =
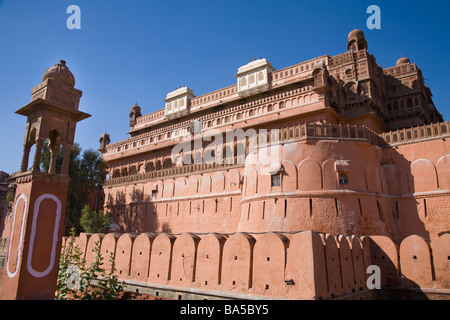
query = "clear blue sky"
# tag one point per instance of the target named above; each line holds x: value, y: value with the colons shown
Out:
x: 138, y: 51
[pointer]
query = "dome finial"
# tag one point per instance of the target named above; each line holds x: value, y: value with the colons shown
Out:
x: 403, y: 60
x: 60, y: 73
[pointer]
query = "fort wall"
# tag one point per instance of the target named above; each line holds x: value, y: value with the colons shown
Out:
x: 395, y: 191
x: 298, y: 265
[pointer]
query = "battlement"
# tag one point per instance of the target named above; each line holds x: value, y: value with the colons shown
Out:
x: 273, y: 265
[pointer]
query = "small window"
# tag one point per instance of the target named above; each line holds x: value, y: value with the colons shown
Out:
x: 343, y: 179
x: 154, y: 193
x: 276, y: 180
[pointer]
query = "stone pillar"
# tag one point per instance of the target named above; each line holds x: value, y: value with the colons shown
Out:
x: 37, y: 155
x: 66, y: 159
x: 25, y: 157
x: 54, y: 150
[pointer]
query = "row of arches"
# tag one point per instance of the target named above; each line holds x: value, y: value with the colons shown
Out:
x: 422, y: 175
x: 240, y: 263
x: 402, y: 104
x: 208, y: 183
x: 302, y: 96
x: 426, y: 176
x: 311, y: 175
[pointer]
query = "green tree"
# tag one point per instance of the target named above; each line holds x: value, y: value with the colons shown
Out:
x: 94, y: 222
x: 85, y: 170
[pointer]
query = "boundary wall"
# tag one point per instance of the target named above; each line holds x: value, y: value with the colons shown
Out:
x: 272, y: 265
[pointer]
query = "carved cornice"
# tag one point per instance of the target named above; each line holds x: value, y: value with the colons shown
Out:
x: 36, y: 176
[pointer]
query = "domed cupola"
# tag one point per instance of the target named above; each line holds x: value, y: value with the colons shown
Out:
x: 135, y: 112
x: 60, y: 73
x: 403, y: 60
x: 356, y: 41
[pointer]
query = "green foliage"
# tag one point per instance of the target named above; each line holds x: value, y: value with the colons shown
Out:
x: 72, y: 271
x: 79, y: 282
x: 85, y: 170
x: 94, y: 222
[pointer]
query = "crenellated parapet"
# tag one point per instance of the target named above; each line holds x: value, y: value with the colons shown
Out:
x: 301, y: 265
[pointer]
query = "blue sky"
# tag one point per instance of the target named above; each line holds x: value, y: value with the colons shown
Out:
x: 138, y: 51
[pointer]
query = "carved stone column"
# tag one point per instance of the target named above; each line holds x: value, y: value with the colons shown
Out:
x: 66, y: 159
x: 37, y: 155
x: 25, y: 157
x: 54, y: 151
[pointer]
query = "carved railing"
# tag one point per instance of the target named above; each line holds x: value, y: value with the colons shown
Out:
x: 175, y: 171
x: 408, y: 135
x: 264, y: 138
x: 297, y: 133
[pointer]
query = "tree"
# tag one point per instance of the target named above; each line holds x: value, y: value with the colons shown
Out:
x: 85, y: 170
x: 94, y: 222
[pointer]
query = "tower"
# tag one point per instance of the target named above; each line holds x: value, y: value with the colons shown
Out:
x: 356, y: 41
x: 39, y: 206
x: 104, y: 141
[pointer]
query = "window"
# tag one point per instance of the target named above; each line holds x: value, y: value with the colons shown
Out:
x: 343, y: 179
x: 409, y: 104
x: 154, y: 193
x: 260, y: 76
x: 276, y: 180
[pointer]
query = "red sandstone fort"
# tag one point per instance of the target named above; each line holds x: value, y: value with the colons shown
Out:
x: 359, y: 176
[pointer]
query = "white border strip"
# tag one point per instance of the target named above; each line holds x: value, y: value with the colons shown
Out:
x: 25, y: 200
x: 37, y: 204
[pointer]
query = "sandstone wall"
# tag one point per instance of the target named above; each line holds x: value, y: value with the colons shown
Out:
x: 300, y: 265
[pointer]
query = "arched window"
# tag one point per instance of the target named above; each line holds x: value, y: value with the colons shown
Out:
x: 409, y: 104
x: 167, y: 163
x: 260, y: 76
x: 349, y: 73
